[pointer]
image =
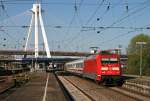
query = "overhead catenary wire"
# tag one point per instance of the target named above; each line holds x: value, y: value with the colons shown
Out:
x: 115, y: 27
x: 90, y: 18
x: 123, y: 18
x: 83, y: 27
x: 126, y: 6
x: 13, y: 23
x: 96, y: 10
x: 70, y: 40
x: 130, y: 14
x: 124, y: 34
x: 17, y: 0
x: 11, y: 37
x: 24, y: 2
x: 133, y: 29
x: 80, y: 4
x: 101, y: 17
x: 77, y: 5
x: 76, y: 10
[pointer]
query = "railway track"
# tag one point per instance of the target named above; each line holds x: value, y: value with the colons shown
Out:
x: 11, y: 78
x: 95, y: 92
x: 6, y: 82
x: 70, y: 88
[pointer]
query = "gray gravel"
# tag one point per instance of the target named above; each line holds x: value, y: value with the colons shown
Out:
x: 99, y: 93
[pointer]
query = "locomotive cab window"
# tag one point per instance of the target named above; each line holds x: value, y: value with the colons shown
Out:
x: 109, y: 60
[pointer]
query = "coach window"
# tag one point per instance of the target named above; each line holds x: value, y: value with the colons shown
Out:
x: 80, y: 65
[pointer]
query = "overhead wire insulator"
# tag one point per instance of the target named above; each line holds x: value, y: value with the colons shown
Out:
x: 4, y: 45
x: 2, y: 5
x: 127, y: 8
x: 58, y: 26
x: 108, y: 7
x: 98, y: 19
x: 98, y: 31
x: 147, y: 27
x: 24, y: 26
x: 75, y: 7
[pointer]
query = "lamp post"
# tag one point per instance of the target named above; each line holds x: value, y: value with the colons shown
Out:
x: 141, y: 46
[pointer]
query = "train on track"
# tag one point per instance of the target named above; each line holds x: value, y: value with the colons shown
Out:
x: 103, y: 67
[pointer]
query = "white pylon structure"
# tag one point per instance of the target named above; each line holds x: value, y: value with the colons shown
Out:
x: 38, y: 22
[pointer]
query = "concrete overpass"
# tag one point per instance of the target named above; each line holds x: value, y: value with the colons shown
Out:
x: 39, y: 60
x: 53, y: 53
x: 61, y: 60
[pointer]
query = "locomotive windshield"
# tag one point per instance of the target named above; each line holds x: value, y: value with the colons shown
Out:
x: 109, y: 60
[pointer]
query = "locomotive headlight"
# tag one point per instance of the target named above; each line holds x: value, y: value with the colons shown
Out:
x: 115, y: 68
x: 104, y: 68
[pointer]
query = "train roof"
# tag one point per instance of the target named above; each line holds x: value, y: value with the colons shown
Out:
x: 76, y: 61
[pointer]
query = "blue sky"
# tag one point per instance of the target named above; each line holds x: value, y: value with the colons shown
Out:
x: 72, y: 36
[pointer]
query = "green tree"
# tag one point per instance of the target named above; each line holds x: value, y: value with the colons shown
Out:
x: 134, y: 55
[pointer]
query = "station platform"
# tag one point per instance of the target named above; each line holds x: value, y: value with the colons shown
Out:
x: 42, y: 87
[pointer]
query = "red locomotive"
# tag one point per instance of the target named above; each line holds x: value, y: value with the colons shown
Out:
x: 102, y: 67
